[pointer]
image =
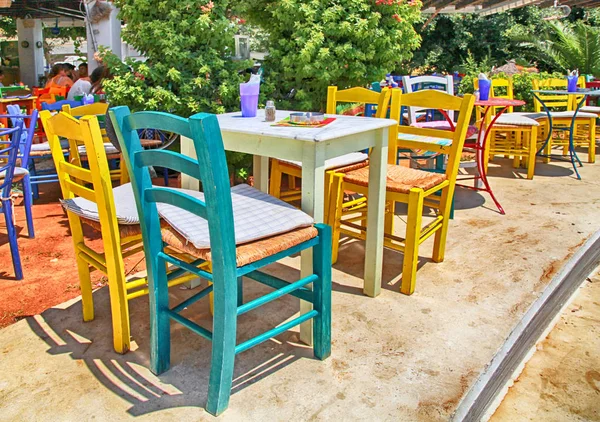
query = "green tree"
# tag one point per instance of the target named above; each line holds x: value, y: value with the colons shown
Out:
x: 316, y: 43
x: 189, y: 47
x: 565, y: 47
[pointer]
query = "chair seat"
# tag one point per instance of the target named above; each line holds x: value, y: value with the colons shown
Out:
x: 444, y: 125
x: 556, y: 115
x: 515, y: 119
x: 20, y: 173
x: 399, y: 178
x: 125, y: 230
x: 424, y: 139
x: 256, y: 215
x: 125, y: 206
x: 246, y: 253
x: 591, y: 109
x: 108, y: 148
x: 44, y: 148
x: 337, y: 162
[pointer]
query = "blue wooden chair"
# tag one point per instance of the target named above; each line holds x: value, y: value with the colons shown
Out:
x: 58, y: 105
x: 227, y: 263
x: 22, y: 173
x: 9, y: 151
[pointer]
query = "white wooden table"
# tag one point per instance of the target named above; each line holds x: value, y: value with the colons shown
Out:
x: 313, y: 146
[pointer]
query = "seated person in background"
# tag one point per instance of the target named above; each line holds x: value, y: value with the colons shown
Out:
x: 58, y: 77
x: 96, y: 78
x: 71, y: 72
x: 83, y: 70
x: 90, y: 85
x: 82, y: 86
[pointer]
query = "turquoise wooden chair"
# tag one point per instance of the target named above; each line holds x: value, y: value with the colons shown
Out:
x: 227, y: 263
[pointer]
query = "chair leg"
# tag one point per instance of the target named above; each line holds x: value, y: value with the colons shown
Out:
x: 335, y: 213
x: 275, y: 182
x: 119, y: 305
x: 411, y: 247
x: 223, y: 349
x: 240, y: 291
x: 532, y: 152
x: 517, y: 144
x: 85, y: 284
x: 592, y: 147
x: 439, y: 244
x: 27, y: 200
x: 322, y: 293
x: 34, y: 186
x: 12, y: 238
x: 160, y: 330
x: 291, y: 182
x: 388, y: 218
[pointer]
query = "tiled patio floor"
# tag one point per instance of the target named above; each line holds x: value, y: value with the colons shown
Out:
x: 394, y: 357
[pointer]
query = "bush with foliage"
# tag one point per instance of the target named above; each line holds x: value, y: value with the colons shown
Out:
x: 189, y: 48
x: 314, y: 44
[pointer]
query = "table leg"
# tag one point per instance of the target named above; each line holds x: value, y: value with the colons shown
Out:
x: 375, y: 214
x: 260, y: 166
x: 188, y: 149
x: 313, y: 189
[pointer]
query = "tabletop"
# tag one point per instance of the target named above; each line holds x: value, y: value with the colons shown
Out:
x: 342, y: 126
x: 592, y: 92
x: 13, y: 99
x: 499, y: 102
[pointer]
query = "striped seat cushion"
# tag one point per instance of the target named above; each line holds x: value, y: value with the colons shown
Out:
x: 516, y: 119
x: 20, y: 173
x: 108, y: 148
x: 408, y: 137
x: 444, y: 125
x: 45, y: 146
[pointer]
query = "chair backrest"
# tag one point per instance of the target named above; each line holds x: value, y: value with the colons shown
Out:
x: 506, y: 84
x: 358, y: 95
x: 75, y: 180
x: 28, y: 130
x: 427, y: 82
x: 97, y: 109
x: 564, y: 102
x: 440, y: 101
x: 58, y: 105
x: 9, y: 151
x: 210, y: 168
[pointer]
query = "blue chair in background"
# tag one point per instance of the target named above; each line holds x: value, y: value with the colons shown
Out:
x: 22, y: 170
x: 201, y: 225
x: 58, y: 105
x: 9, y: 151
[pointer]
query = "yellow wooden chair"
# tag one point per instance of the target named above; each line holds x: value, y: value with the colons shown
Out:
x: 347, y: 162
x: 513, y: 134
x: 585, y: 123
x: 99, y: 109
x: 119, y: 240
x: 417, y: 188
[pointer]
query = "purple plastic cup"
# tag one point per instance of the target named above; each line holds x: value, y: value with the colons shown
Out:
x: 484, y: 89
x: 249, y: 99
x: 572, y: 83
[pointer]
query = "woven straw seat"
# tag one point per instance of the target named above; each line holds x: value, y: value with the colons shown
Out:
x: 125, y: 230
x: 246, y: 253
x: 399, y: 178
x: 150, y: 143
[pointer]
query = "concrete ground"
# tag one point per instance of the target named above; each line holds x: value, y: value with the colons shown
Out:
x: 393, y: 357
x: 561, y: 382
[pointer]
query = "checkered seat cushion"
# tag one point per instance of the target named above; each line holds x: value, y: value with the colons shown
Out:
x: 408, y: 137
x: 256, y: 215
x: 125, y: 206
x: 20, y: 173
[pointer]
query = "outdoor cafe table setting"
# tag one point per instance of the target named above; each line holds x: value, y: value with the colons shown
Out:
x: 312, y: 146
x: 585, y: 93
